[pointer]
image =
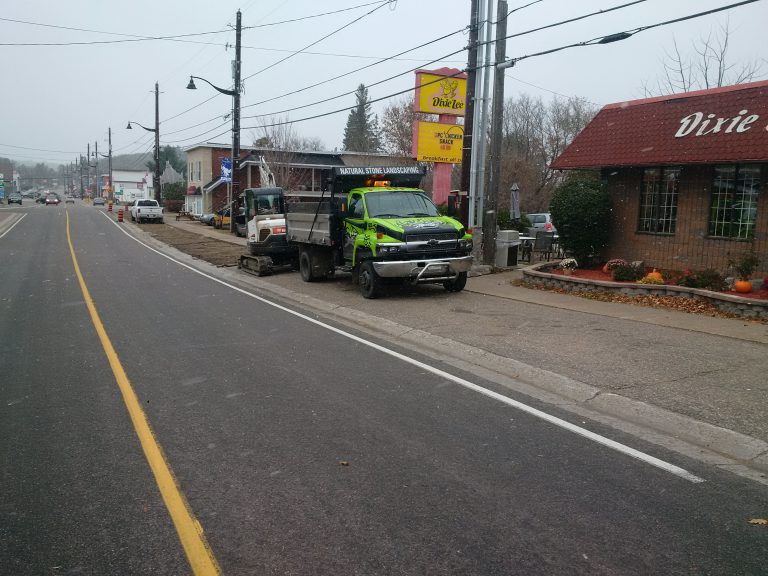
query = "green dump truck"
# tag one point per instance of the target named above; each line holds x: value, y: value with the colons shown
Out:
x: 376, y: 223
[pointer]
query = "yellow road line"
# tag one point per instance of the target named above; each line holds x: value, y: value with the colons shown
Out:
x: 190, y: 531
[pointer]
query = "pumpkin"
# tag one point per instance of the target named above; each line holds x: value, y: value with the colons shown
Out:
x: 742, y: 286
x: 655, y: 275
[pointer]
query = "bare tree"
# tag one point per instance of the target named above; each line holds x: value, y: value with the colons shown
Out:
x: 279, y: 145
x: 535, y: 133
x: 707, y: 67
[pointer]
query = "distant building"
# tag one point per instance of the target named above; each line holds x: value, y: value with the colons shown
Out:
x: 132, y: 184
x: 293, y: 170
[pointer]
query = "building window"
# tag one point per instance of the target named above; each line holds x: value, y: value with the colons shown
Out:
x: 734, y: 201
x: 658, y: 201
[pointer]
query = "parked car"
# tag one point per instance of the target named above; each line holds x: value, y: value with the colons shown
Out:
x: 207, y: 219
x: 14, y: 198
x: 99, y: 201
x: 52, y: 199
x: 541, y: 221
x: 221, y: 219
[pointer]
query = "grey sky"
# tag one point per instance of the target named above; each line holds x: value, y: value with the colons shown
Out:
x: 59, y: 98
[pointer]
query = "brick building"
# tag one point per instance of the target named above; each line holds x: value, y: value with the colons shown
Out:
x: 686, y: 174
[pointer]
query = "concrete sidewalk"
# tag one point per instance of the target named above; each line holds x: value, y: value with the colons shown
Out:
x: 502, y: 285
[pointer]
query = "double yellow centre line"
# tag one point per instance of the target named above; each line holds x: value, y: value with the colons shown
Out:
x: 190, y: 531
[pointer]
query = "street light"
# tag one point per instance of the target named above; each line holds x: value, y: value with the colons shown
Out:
x: 156, y: 130
x: 235, y: 93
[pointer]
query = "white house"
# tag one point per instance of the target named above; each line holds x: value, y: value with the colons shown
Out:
x: 132, y: 184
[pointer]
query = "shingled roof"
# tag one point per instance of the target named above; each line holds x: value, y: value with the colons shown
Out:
x: 719, y: 125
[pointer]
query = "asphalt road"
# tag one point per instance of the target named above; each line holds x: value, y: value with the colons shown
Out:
x: 298, y: 449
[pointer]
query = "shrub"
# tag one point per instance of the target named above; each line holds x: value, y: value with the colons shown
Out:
x: 627, y: 273
x: 746, y: 265
x: 568, y: 264
x: 581, y: 212
x: 611, y: 264
x: 651, y: 280
x: 708, y: 279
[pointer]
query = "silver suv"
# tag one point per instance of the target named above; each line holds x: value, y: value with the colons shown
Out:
x: 542, y: 221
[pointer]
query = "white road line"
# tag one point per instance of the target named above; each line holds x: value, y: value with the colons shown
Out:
x: 12, y: 226
x: 617, y: 446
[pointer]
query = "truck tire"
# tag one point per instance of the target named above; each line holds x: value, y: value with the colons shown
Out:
x: 305, y: 266
x: 370, y: 283
x: 457, y: 284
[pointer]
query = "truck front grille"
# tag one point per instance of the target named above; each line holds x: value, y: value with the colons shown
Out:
x: 431, y: 241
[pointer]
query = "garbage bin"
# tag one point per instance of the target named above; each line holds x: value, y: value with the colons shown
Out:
x: 507, y: 242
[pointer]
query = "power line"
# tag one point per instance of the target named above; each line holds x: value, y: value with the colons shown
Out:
x: 363, y: 68
x: 381, y: 4
x: 626, y: 34
x: 353, y: 91
x: 140, y: 38
x: 521, y: 7
x: 347, y: 25
x: 594, y: 41
x: 411, y: 70
x: 569, y: 20
x: 442, y: 59
x: 40, y: 149
x: 346, y: 108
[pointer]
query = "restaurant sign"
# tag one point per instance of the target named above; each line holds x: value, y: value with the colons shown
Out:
x: 441, y: 92
x: 699, y: 125
x: 437, y: 142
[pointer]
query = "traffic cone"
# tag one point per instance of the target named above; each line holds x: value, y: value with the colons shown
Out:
x: 120, y: 215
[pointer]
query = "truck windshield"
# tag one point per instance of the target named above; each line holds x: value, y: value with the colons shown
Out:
x: 399, y: 205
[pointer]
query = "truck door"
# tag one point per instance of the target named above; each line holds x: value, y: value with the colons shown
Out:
x: 354, y: 224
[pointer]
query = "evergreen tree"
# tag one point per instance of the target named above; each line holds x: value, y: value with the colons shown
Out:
x: 362, y: 131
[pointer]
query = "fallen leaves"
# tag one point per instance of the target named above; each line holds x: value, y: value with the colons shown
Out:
x: 759, y: 521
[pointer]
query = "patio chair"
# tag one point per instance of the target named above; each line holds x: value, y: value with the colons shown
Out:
x: 543, y: 245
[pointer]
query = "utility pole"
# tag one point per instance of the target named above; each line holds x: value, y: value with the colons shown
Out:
x: 156, y: 177
x: 88, y: 167
x: 469, y: 123
x: 96, y: 187
x: 236, y: 127
x: 477, y: 170
x: 490, y: 215
x: 111, y: 185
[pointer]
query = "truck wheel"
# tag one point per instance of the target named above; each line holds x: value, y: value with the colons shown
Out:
x: 370, y: 283
x: 305, y: 267
x: 457, y: 284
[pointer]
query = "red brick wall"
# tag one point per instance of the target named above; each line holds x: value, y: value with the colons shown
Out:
x: 689, y: 247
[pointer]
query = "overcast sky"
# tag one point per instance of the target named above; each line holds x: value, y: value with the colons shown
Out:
x: 55, y: 99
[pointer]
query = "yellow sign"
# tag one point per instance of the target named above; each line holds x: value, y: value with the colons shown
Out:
x: 437, y: 94
x: 437, y: 142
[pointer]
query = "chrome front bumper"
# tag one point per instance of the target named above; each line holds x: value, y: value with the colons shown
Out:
x: 433, y: 270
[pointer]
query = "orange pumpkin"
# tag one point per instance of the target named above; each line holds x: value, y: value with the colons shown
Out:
x: 742, y: 286
x: 655, y: 275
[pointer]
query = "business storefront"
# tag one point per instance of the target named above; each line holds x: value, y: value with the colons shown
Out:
x: 687, y: 174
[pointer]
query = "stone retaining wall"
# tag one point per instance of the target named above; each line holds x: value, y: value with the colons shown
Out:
x: 745, y: 307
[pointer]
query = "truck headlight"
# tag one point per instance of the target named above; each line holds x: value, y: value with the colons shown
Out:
x: 388, y: 248
x: 465, y: 244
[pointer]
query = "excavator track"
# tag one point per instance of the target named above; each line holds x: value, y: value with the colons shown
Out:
x: 256, y: 265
